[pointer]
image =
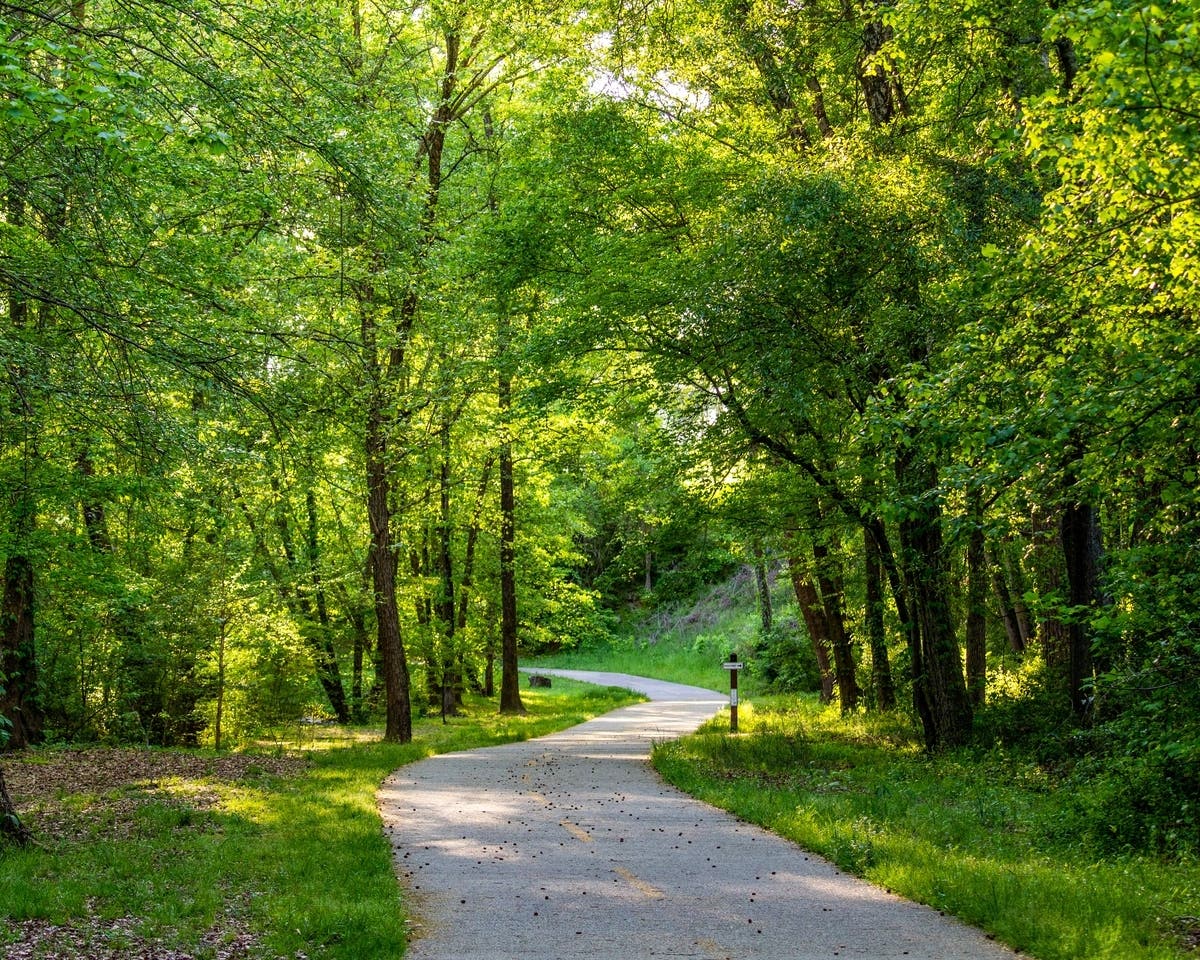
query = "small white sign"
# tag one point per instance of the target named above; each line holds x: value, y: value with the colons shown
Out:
x: 733, y: 666
x: 733, y: 698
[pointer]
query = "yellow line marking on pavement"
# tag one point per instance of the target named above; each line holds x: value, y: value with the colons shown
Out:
x: 538, y: 797
x: 640, y: 885
x: 577, y: 832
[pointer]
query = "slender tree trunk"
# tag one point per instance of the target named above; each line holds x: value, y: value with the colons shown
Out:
x: 467, y: 581
x: 307, y: 603
x: 765, y: 613
x: 939, y: 687
x: 1008, y: 612
x: 398, y: 725
x: 1082, y: 552
x: 881, y: 668
x: 446, y: 613
x: 1048, y: 572
x: 324, y: 653
x: 976, y: 619
x: 818, y: 106
x: 829, y: 582
x: 510, y: 687
x: 18, y: 653
x: 814, y: 621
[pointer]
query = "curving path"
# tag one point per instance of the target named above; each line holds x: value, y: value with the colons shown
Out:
x: 571, y: 846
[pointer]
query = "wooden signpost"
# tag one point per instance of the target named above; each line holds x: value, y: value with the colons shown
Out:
x: 733, y: 666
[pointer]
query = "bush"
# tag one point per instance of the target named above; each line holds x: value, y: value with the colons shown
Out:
x: 785, y: 662
x: 1139, y: 804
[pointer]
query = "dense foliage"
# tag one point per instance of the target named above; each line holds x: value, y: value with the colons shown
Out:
x: 348, y: 345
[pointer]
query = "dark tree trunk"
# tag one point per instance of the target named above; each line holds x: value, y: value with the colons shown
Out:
x: 1048, y: 573
x: 875, y: 78
x: 95, y: 522
x: 939, y: 688
x: 814, y: 621
x: 1008, y: 610
x: 818, y: 107
x: 829, y: 582
x: 398, y: 723
x: 324, y: 654
x: 1082, y: 551
x: 510, y: 686
x: 976, y: 619
x: 467, y: 581
x: 307, y: 603
x: 11, y: 827
x: 18, y: 653
x: 1068, y: 64
x: 446, y: 613
x: 881, y: 668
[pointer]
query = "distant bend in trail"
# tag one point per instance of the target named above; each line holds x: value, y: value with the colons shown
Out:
x: 572, y: 846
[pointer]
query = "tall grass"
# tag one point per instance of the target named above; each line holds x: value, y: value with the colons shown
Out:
x: 299, y: 863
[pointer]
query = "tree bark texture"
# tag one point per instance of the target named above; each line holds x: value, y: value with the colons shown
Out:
x: 510, y: 687
x: 830, y: 584
x: 939, y: 688
x: 1082, y: 551
x: 1008, y: 611
x: 18, y: 653
x: 976, y: 616
x: 881, y: 668
x: 813, y: 613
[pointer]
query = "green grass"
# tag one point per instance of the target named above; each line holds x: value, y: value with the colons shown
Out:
x: 662, y: 661
x: 972, y: 835
x: 683, y: 645
x: 301, y: 862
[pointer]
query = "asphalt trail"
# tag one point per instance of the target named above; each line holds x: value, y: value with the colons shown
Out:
x: 572, y: 846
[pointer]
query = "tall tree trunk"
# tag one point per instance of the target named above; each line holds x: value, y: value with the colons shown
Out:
x: 1048, y: 553
x: 765, y: 612
x: 829, y: 582
x: 446, y: 613
x: 939, y: 687
x: 18, y: 653
x: 976, y: 606
x: 398, y: 724
x: 814, y: 621
x: 1082, y: 552
x: 324, y: 654
x: 881, y: 668
x: 510, y: 687
x: 467, y: 581
x: 1008, y: 610
x: 874, y: 76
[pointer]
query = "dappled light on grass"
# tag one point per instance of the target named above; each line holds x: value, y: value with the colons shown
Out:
x: 282, y: 848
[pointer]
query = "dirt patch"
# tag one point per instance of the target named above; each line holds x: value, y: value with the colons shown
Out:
x: 78, y: 794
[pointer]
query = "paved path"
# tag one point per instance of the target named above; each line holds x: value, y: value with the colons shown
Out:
x: 571, y: 846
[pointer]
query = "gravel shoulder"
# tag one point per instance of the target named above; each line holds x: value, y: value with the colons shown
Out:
x: 572, y: 846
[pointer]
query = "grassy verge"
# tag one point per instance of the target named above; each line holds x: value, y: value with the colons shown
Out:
x: 253, y: 865
x: 975, y: 836
x: 662, y: 661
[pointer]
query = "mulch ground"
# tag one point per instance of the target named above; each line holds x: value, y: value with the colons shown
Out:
x: 72, y: 796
